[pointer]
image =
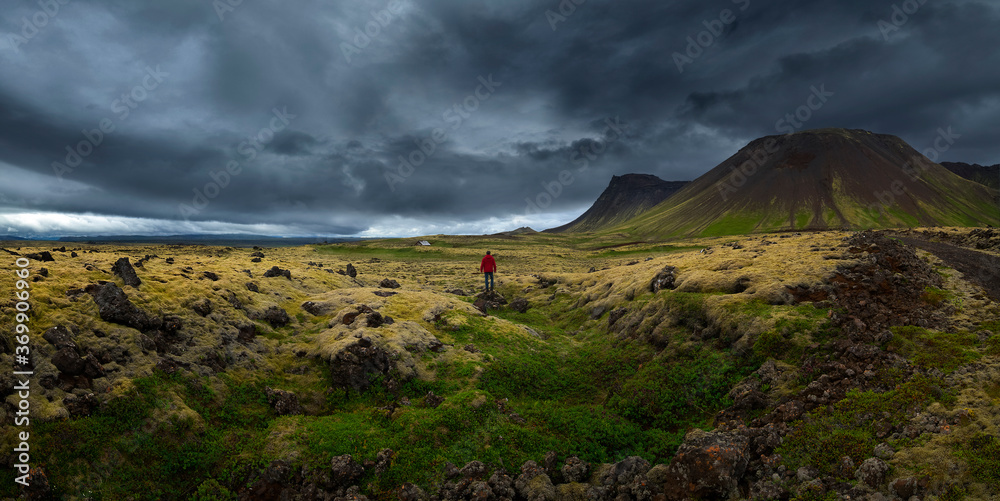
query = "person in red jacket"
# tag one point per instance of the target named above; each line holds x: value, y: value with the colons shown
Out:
x: 488, y: 266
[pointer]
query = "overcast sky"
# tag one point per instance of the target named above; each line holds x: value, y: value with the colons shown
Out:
x: 379, y: 118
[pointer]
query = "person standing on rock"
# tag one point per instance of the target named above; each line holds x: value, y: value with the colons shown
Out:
x: 487, y: 267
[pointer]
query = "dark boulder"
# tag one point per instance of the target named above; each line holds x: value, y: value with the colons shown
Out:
x: 211, y: 276
x: 354, y: 367
x: 92, y: 367
x: 345, y: 471
x: 123, y: 269
x: 872, y: 472
x: 410, y: 492
x: 664, y: 279
x: 616, y: 315
x: 519, y: 305
x: 488, y: 300
x: 68, y: 361
x: 43, y: 256
x: 202, y: 306
x: 575, y: 470
x: 284, y: 403
x: 314, y: 308
x: 276, y: 316
x: 246, y: 332
x: 277, y: 272
x: 81, y: 406
x: 534, y: 484
x: 252, y: 287
x: 361, y: 309
x: 115, y: 307
x: 906, y: 487
x: 60, y: 337
x: 432, y: 401
x: 707, y: 465
x: 626, y: 478
x: 389, y: 284
x: 375, y: 319
x: 351, y: 270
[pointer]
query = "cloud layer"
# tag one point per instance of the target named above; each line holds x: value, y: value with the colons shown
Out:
x: 440, y: 116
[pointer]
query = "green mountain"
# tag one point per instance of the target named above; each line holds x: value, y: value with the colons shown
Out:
x: 819, y: 179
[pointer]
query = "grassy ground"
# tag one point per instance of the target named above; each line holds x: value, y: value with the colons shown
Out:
x: 558, y: 377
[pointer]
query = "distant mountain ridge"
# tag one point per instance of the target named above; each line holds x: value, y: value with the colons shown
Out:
x: 231, y: 240
x: 988, y: 175
x: 625, y: 197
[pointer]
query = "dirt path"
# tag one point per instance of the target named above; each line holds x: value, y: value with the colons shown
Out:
x: 978, y: 267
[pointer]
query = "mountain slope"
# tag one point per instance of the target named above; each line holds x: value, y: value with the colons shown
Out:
x: 819, y: 179
x: 625, y: 197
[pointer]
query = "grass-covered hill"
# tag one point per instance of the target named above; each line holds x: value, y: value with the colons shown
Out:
x: 818, y: 179
x: 777, y: 366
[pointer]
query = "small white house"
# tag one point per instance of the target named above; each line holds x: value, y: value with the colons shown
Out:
x: 423, y: 242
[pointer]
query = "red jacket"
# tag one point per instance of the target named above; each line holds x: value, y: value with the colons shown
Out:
x: 488, y: 265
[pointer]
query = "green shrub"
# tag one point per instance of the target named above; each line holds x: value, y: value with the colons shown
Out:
x: 676, y: 393
x: 211, y: 490
x: 931, y: 349
x: 982, y: 453
x: 850, y: 429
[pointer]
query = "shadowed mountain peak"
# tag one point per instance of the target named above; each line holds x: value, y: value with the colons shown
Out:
x: 625, y: 197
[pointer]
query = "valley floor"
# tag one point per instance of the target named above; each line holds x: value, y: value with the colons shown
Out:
x: 826, y: 365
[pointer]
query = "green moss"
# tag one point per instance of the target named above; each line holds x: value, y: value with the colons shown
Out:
x: 645, y: 250
x: 167, y: 458
x: 802, y: 218
x: 935, y: 297
x: 212, y: 490
x: 851, y: 427
x: 676, y: 393
x: 942, y: 350
x: 771, y: 344
x: 733, y: 224
x: 982, y: 454
x: 993, y: 346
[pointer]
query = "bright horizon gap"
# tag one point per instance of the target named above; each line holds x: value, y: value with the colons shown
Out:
x: 55, y: 225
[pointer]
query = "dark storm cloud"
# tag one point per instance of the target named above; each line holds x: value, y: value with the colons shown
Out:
x: 411, y: 117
